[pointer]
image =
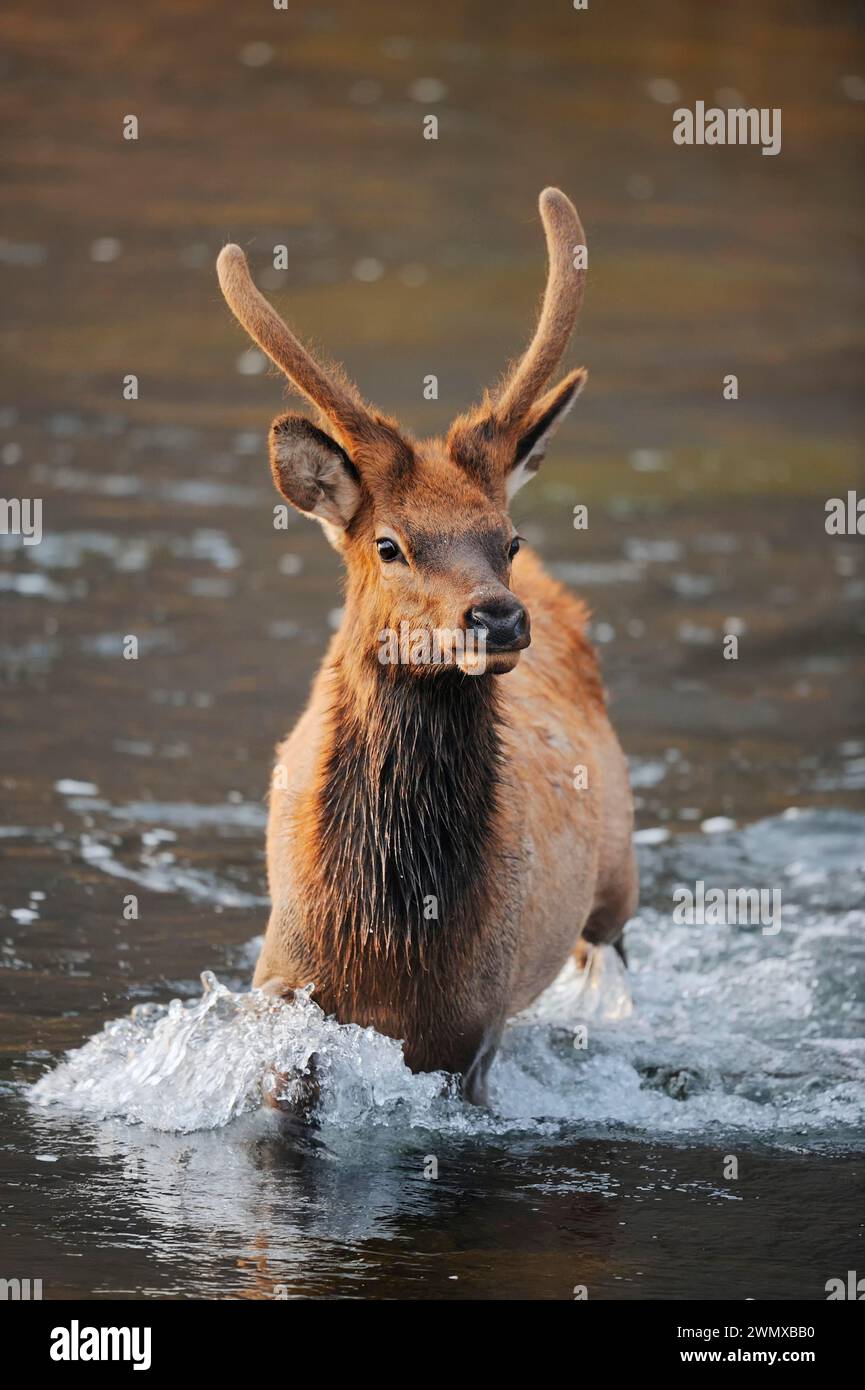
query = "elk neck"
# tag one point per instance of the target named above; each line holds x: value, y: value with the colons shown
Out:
x: 406, y: 813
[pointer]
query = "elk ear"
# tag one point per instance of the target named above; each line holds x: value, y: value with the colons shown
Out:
x: 314, y: 473
x: 540, y: 426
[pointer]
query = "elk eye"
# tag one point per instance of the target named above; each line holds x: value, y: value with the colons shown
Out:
x: 514, y: 547
x: 388, y: 550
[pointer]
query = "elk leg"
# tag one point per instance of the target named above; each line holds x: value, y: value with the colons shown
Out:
x: 295, y: 1093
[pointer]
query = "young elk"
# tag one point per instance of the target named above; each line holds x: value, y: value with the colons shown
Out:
x: 431, y: 864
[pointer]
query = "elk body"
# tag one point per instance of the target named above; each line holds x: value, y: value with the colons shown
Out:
x: 431, y: 863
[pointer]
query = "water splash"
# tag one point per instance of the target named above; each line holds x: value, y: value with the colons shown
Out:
x: 731, y: 1032
x: 201, y: 1063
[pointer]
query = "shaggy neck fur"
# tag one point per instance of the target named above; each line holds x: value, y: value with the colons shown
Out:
x: 405, y: 817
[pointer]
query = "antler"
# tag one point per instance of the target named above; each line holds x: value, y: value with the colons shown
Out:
x: 562, y: 299
x: 335, y: 396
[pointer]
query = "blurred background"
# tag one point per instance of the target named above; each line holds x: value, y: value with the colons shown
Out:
x: 406, y: 257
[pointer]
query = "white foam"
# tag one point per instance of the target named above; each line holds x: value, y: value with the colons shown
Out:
x: 731, y: 1032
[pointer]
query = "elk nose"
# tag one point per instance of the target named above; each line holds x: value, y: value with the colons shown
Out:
x: 505, y: 622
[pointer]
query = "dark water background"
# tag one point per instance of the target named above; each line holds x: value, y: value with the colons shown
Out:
x: 408, y: 257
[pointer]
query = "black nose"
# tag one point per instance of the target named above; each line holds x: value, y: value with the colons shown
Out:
x: 505, y: 622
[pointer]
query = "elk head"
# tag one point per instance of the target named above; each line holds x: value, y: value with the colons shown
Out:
x: 423, y: 525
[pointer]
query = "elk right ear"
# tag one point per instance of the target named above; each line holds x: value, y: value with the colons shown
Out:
x: 314, y: 473
x: 541, y: 425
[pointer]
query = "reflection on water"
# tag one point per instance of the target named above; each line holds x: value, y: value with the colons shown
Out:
x: 146, y: 778
x: 242, y: 1213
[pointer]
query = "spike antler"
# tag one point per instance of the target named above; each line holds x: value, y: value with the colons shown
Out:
x: 561, y: 305
x: 331, y: 392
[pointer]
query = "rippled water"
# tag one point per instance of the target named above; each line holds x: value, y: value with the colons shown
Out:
x: 145, y: 1162
x: 733, y: 1031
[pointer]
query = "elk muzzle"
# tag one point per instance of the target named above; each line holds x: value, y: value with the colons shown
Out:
x: 504, y: 621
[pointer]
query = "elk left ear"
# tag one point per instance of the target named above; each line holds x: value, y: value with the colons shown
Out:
x: 314, y: 473
x: 540, y: 426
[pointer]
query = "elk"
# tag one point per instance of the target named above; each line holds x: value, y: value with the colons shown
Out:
x: 431, y: 865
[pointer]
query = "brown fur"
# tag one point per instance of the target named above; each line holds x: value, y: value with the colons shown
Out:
x: 407, y: 785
